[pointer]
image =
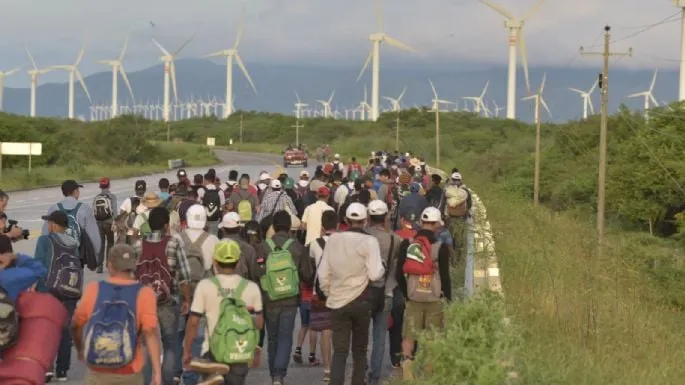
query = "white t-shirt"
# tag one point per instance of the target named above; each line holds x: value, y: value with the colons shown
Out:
x: 126, y: 207
x: 312, y: 217
x: 207, y: 246
x: 207, y: 301
x: 201, y: 193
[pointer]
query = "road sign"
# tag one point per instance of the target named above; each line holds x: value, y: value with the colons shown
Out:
x: 211, y: 142
x: 14, y: 148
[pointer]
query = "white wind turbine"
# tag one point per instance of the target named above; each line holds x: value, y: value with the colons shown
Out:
x: 539, y: 100
x: 395, y: 103
x: 436, y: 101
x: 169, y: 71
x: 327, y: 111
x: 648, y: 95
x: 299, y: 106
x: 34, y: 73
x: 497, y: 108
x: 231, y: 54
x: 586, y: 96
x: 515, y: 27
x: 4, y: 74
x: 375, y: 56
x: 478, y: 101
x: 74, y: 73
x: 364, y: 106
x: 118, y: 68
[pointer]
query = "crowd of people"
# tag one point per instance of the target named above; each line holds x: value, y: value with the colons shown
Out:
x: 200, y: 273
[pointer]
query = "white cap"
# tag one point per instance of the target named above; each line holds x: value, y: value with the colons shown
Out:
x: 275, y: 184
x: 356, y: 211
x: 431, y: 214
x: 455, y: 176
x: 337, y: 156
x: 264, y: 176
x: 377, y: 207
x: 196, y: 217
x: 230, y: 220
x: 304, y: 173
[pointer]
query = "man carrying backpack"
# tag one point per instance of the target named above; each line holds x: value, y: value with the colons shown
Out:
x: 104, y: 206
x: 121, y: 314
x: 424, y: 279
x: 129, y: 210
x: 232, y: 308
x: 213, y: 199
x: 163, y: 265
x: 245, y: 203
x: 141, y: 225
x: 58, y: 252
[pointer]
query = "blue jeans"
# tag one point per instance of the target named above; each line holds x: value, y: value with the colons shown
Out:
x: 168, y: 318
x: 379, y: 320
x: 280, y: 323
x: 191, y: 378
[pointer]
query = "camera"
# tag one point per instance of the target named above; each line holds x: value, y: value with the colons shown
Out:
x: 25, y: 234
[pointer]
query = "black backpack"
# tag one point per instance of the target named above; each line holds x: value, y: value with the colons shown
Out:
x: 9, y: 321
x: 102, y: 207
x: 212, y: 202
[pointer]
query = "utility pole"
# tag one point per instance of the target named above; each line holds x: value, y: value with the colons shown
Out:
x: 297, y: 127
x: 437, y: 134
x: 604, y: 86
x: 241, y: 128
x: 397, y: 132
x: 536, y: 179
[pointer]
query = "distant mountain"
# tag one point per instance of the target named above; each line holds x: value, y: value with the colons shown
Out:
x: 276, y: 83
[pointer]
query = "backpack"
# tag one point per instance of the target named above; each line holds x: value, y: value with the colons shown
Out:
x: 145, y: 227
x: 195, y: 259
x: 102, y: 207
x: 74, y: 229
x: 244, y: 208
x: 336, y: 166
x: 152, y: 268
x: 420, y: 270
x: 65, y: 274
x: 457, y: 201
x: 135, y: 202
x: 280, y: 279
x: 212, y: 203
x: 111, y: 333
x: 317, y: 288
x: 9, y: 321
x: 235, y: 336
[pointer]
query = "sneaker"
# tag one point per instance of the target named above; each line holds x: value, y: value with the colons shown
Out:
x: 215, y: 379
x: 326, y: 376
x: 297, y: 356
x: 407, y: 369
x: 201, y: 365
x: 49, y: 376
x: 313, y: 361
x: 275, y: 382
x: 61, y: 375
x: 177, y: 380
x: 99, y: 270
x: 395, y: 365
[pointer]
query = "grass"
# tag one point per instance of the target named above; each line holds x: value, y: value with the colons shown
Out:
x: 18, y: 178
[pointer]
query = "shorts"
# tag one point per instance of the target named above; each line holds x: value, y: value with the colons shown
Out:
x: 100, y: 378
x: 321, y: 320
x: 420, y: 316
x: 305, y: 313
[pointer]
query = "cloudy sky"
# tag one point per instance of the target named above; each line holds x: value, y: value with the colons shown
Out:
x: 333, y: 32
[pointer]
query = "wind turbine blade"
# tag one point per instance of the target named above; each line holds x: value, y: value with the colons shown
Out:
x: 33, y: 62
x: 216, y: 54
x: 589, y: 104
x: 651, y: 87
x: 651, y: 97
x: 12, y: 71
x: 635, y: 95
x: 544, y: 104
x: 241, y: 26
x: 184, y: 45
x: 160, y: 47
x: 172, y: 69
x: 297, y: 97
x: 435, y: 93
x: 391, y: 100
x: 83, y: 84
x: 542, y: 85
x: 524, y: 58
x: 379, y: 15
x: 577, y: 90
x: 470, y: 98
x: 498, y: 9
x: 593, y: 87
x: 80, y: 55
x: 244, y: 69
x: 485, y: 89
x: 366, y: 64
x: 123, y: 49
x: 529, y: 97
x: 402, y: 94
x: 331, y: 98
x: 128, y: 84
x: 533, y: 10
x: 398, y: 44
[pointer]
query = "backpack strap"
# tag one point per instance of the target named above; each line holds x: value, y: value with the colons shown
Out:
x: 201, y: 239
x: 392, y: 246
x: 271, y: 244
x: 185, y: 238
x: 321, y: 242
x: 287, y: 244
x: 237, y: 293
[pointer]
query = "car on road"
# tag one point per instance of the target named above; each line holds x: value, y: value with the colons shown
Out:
x: 295, y: 156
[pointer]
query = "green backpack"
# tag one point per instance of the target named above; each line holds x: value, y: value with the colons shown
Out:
x: 281, y: 279
x: 145, y: 227
x: 244, y: 208
x: 235, y: 336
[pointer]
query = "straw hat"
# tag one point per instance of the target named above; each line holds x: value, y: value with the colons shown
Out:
x: 151, y: 200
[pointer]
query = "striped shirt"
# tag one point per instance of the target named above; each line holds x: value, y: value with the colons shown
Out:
x: 274, y: 202
x: 176, y: 257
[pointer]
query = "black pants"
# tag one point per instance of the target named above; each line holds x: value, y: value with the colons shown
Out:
x: 350, y: 329
x: 106, y: 234
x: 236, y: 376
x: 395, y: 332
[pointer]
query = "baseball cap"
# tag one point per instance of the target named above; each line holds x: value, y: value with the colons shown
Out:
x: 69, y: 186
x: 230, y: 220
x: 377, y: 207
x: 57, y: 217
x: 264, y: 176
x: 233, y: 175
x: 123, y: 257
x: 414, y: 187
x: 140, y: 185
x: 181, y: 173
x: 323, y: 191
x: 227, y: 251
x: 431, y: 214
x: 356, y: 211
x: 196, y: 217
x: 104, y: 182
x: 455, y: 176
x: 337, y: 156
x: 275, y: 184
x: 304, y: 173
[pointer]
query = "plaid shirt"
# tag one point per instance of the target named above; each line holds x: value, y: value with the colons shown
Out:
x: 271, y: 204
x: 176, y: 257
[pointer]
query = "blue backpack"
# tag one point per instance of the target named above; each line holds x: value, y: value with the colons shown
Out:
x: 111, y: 334
x: 65, y: 275
x: 74, y: 229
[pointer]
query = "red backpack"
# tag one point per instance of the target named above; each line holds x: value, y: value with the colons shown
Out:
x: 153, y: 270
x: 419, y: 261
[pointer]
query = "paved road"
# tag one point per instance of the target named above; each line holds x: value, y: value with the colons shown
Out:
x: 28, y: 206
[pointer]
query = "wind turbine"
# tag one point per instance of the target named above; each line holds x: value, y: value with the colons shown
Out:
x: 497, y: 108
x: 587, y: 98
x: 375, y: 57
x: 231, y: 54
x: 169, y: 68
x: 3, y: 74
x: 436, y: 108
x: 327, y: 105
x: 117, y: 68
x: 647, y: 95
x: 515, y: 27
x: 364, y: 106
x: 34, y: 73
x: 395, y: 103
x: 74, y: 73
x: 299, y: 106
x: 539, y: 100
x: 478, y: 101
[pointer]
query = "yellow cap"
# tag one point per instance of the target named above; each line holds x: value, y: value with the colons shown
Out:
x: 227, y: 252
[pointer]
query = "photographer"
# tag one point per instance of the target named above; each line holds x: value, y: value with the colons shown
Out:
x: 13, y: 232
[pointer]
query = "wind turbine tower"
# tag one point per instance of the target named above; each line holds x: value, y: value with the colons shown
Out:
x: 587, y: 98
x: 375, y: 57
x: 117, y: 68
x: 74, y: 73
x: 515, y: 27
x: 3, y: 74
x: 681, y: 4
x: 169, y: 72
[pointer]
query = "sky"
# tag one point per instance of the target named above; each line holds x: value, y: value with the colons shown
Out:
x: 447, y: 33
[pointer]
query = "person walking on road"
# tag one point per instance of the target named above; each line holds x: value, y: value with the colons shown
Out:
x: 350, y: 261
x: 311, y: 219
x: 275, y: 201
x: 104, y: 209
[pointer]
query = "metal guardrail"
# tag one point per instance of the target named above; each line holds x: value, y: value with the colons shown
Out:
x: 176, y: 164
